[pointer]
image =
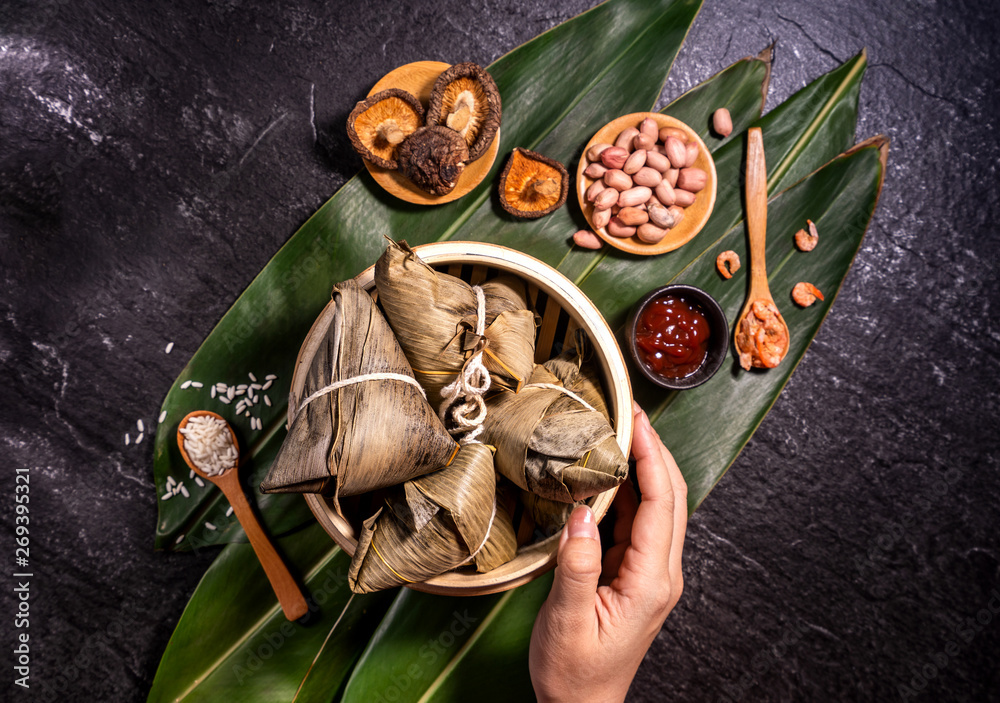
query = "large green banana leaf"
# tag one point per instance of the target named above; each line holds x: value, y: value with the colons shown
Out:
x: 557, y: 88
x: 488, y: 635
x: 234, y: 643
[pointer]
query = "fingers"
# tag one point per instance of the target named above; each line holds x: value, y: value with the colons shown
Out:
x: 579, y: 567
x: 653, y: 561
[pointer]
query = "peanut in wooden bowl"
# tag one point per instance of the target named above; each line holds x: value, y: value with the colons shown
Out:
x: 695, y: 215
x: 418, y: 78
x: 563, y: 310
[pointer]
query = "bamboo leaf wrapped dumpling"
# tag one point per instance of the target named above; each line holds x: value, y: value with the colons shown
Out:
x: 552, y: 445
x: 434, y: 316
x: 433, y: 524
x: 365, y: 435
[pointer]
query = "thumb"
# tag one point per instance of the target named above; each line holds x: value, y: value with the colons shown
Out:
x: 579, y: 567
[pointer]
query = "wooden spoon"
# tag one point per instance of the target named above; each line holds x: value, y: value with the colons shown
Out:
x: 756, y: 197
x: 293, y: 603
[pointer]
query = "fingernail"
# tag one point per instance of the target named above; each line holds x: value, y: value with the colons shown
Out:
x: 582, y: 523
x: 635, y: 408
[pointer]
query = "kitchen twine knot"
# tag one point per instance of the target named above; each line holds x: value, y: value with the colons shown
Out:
x: 464, y: 404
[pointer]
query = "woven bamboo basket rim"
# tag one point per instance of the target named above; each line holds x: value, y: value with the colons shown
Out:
x: 535, y: 559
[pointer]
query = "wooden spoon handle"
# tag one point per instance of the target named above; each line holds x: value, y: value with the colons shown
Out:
x: 293, y: 603
x: 756, y: 196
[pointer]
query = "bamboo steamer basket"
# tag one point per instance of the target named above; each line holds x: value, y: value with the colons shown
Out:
x: 563, y: 309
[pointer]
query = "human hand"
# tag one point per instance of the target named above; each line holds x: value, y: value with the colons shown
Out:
x: 590, y: 638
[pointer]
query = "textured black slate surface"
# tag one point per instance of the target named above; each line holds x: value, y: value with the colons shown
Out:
x: 851, y: 542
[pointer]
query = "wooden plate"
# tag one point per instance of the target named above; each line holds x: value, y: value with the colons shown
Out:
x: 695, y: 215
x: 418, y: 79
x: 563, y: 308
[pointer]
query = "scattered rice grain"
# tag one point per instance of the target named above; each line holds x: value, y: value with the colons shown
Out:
x: 179, y: 539
x: 225, y: 399
x: 210, y: 526
x: 170, y: 348
x: 267, y: 401
x: 167, y: 496
x: 128, y: 440
x: 199, y: 481
x: 229, y: 511
x: 185, y: 385
x: 163, y: 416
x: 252, y: 377
x: 184, y: 490
x: 197, y: 384
x: 256, y: 386
x: 230, y: 392
x: 270, y: 377
x: 214, y: 391
x: 138, y: 439
x: 138, y: 423
x: 266, y: 385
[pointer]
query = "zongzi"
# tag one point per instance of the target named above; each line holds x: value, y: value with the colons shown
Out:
x: 433, y: 524
x: 550, y: 443
x: 435, y: 317
x: 374, y: 431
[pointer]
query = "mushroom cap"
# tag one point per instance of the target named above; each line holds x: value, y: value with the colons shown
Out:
x: 433, y: 158
x: 532, y: 185
x: 467, y: 85
x: 378, y: 125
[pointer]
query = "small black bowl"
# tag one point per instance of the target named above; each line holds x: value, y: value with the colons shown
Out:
x: 718, y: 341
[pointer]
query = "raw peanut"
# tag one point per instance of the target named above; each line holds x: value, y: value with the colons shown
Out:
x: 654, y: 201
x: 634, y: 196
x: 617, y: 228
x: 605, y: 199
x: 722, y: 122
x: 601, y: 218
x: 677, y: 212
x: 674, y: 132
x: 665, y: 193
x: 594, y: 190
x: 671, y: 176
x: 624, y: 140
x: 636, y: 161
x: 692, y: 154
x: 660, y: 216
x: 595, y: 170
x: 633, y: 216
x: 647, y: 176
x: 650, y: 233
x: 683, y: 198
x: 676, y: 152
x: 692, y: 179
x: 617, y: 179
x: 594, y: 152
x: 649, y: 126
x: 614, y: 157
x: 643, y: 141
x: 585, y: 239
x: 657, y: 160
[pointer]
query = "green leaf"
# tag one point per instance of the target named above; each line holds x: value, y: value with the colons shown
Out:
x: 807, y: 130
x: 233, y: 641
x: 431, y: 648
x: 840, y: 198
x: 563, y: 84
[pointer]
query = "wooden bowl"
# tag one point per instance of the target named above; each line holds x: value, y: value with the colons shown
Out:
x: 695, y: 215
x: 418, y: 79
x: 563, y: 309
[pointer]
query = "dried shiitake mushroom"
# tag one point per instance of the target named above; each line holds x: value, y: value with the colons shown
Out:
x: 532, y: 185
x: 378, y: 125
x: 466, y: 99
x: 433, y: 158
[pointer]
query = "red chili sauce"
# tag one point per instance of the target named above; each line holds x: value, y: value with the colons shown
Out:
x: 672, y: 337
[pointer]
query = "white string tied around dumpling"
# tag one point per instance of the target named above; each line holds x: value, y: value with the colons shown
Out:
x: 564, y: 391
x: 463, y: 397
x: 363, y: 379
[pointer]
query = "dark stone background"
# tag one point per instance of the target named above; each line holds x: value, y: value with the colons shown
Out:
x: 842, y: 553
